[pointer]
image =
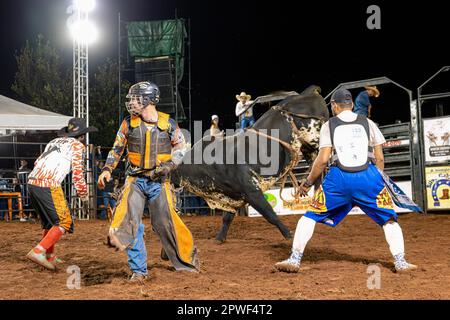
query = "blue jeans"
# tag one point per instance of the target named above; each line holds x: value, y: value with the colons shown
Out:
x: 247, y: 122
x: 106, y: 200
x: 137, y: 255
x: 3, y: 208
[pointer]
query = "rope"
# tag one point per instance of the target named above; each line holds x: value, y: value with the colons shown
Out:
x: 295, y: 158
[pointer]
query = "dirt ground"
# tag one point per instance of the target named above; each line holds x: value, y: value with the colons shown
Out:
x: 335, y: 265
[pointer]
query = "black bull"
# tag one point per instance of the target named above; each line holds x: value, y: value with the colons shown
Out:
x: 230, y: 185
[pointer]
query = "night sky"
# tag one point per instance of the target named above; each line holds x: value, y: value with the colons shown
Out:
x: 259, y: 48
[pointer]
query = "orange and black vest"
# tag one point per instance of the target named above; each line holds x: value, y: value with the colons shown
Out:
x: 149, y: 145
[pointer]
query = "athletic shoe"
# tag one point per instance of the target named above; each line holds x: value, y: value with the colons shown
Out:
x: 401, y: 265
x: 138, y: 277
x: 292, y: 264
x: 40, y: 258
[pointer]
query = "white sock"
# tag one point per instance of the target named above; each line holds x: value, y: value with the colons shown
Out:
x: 303, y: 233
x: 394, y: 238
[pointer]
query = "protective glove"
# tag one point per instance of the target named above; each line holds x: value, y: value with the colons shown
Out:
x: 163, y: 170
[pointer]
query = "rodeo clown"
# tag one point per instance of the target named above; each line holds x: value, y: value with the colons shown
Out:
x: 155, y: 146
x: 60, y: 156
x: 353, y: 179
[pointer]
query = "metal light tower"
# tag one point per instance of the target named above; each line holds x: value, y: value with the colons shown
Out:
x: 83, y: 33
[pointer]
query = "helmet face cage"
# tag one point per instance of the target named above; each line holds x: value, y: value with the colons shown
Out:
x: 135, y: 104
x: 140, y: 96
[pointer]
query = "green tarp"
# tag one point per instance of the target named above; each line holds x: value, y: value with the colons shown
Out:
x: 147, y: 39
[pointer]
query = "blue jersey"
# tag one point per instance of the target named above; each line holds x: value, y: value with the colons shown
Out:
x: 362, y: 103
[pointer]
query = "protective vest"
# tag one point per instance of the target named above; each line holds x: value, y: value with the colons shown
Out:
x: 149, y: 146
x: 351, y: 151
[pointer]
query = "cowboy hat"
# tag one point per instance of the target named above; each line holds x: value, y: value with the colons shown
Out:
x: 76, y: 128
x: 243, y: 95
x: 376, y: 92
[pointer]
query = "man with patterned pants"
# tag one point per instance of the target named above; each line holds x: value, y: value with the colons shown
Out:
x: 353, y: 179
x: 60, y: 157
x: 155, y: 146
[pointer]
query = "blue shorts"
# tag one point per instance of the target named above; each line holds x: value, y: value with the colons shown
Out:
x: 342, y: 190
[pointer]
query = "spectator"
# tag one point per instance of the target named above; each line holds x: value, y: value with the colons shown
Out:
x: 99, y: 164
x: 24, y: 166
x: 3, y: 201
x: 16, y: 187
x: 247, y: 119
x: 107, y: 198
x: 362, y: 101
x: 22, y: 176
x: 215, y: 130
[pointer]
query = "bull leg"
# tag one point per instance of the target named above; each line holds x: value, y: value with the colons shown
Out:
x: 256, y: 200
x: 227, y: 218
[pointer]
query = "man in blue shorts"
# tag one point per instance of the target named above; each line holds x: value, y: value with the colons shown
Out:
x: 354, y: 144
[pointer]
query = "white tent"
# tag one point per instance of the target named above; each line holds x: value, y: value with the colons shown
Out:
x: 15, y: 115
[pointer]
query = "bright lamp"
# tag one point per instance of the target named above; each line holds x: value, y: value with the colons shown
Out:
x: 84, y: 5
x: 83, y: 31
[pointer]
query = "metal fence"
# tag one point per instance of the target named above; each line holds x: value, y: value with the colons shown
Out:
x: 397, y: 151
x: 398, y: 156
x: 12, y: 179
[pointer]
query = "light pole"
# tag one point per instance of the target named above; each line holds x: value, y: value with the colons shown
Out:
x: 83, y: 33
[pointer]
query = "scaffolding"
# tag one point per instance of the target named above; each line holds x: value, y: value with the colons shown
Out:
x: 81, y: 103
x: 156, y: 51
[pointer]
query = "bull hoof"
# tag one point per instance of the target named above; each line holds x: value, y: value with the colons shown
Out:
x: 288, y: 235
x: 220, y: 241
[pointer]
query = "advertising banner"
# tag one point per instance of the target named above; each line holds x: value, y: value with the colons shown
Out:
x: 437, y: 139
x: 300, y: 207
x: 438, y: 187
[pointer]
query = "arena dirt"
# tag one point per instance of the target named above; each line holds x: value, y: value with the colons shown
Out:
x: 335, y: 265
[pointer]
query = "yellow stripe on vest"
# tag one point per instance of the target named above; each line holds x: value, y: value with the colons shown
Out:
x: 147, y: 150
x: 185, y: 241
x: 122, y: 207
x: 62, y: 210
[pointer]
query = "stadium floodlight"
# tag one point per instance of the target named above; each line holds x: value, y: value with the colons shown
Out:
x: 84, y: 5
x: 83, y: 31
